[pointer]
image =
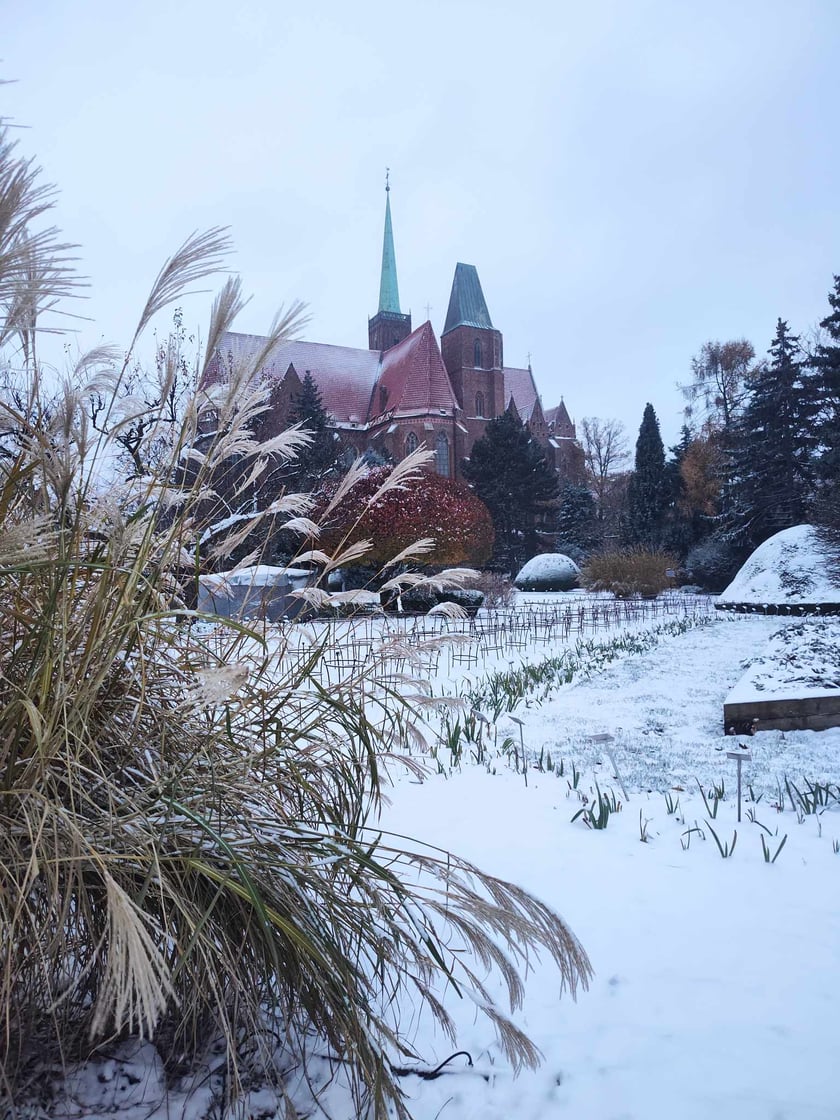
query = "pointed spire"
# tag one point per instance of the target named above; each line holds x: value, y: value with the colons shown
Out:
x: 467, y: 307
x: 389, y: 295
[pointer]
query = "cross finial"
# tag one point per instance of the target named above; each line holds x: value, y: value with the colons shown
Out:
x: 529, y: 359
x: 387, y: 178
x: 428, y: 311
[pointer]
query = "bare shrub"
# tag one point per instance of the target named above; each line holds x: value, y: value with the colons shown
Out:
x: 497, y: 589
x: 629, y: 572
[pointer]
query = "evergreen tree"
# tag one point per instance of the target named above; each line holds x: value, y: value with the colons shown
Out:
x: 647, y: 496
x: 577, y: 518
x: 771, y: 456
x: 319, y: 458
x: 509, y: 472
x: 825, y: 364
x: 680, y: 531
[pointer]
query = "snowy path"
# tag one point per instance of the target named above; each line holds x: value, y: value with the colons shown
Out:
x: 713, y: 997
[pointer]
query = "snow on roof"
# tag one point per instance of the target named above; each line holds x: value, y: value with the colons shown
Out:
x: 344, y: 375
x: 791, y: 567
x: 519, y: 384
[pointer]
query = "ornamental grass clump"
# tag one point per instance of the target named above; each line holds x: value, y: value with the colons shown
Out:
x: 187, y: 827
x: 630, y: 572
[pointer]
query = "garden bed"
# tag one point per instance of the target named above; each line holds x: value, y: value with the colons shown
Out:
x: 793, y: 686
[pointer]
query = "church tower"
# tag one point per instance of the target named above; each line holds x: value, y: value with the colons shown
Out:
x: 472, y: 348
x: 388, y: 326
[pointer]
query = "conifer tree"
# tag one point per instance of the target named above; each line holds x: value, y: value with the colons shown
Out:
x: 577, y: 517
x: 647, y: 497
x: 509, y: 472
x: 771, y: 457
x: 319, y: 458
x: 825, y: 364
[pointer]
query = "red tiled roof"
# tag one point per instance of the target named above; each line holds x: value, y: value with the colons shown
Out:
x: 519, y: 384
x: 344, y: 375
x: 414, y: 376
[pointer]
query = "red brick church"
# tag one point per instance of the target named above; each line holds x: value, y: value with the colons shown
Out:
x: 406, y: 390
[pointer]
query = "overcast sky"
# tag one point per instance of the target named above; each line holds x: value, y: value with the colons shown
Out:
x: 630, y: 177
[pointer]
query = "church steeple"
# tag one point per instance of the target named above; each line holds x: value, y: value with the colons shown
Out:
x: 388, y: 326
x: 389, y: 294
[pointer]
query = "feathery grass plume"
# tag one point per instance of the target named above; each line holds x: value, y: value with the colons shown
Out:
x: 200, y: 256
x: 187, y: 818
x: 36, y: 269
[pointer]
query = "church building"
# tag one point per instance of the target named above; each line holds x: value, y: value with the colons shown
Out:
x: 406, y: 390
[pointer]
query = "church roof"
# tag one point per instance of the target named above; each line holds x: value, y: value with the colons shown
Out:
x: 345, y: 376
x: 414, y: 376
x: 467, y: 307
x: 559, y: 417
x: 519, y: 384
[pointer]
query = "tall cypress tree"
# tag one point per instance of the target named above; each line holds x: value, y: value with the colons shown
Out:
x: 771, y: 455
x: 647, y: 496
x: 509, y: 472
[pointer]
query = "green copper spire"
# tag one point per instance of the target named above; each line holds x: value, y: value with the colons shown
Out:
x: 389, y: 294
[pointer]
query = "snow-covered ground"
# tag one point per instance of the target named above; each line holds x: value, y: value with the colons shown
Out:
x: 713, y: 994
x: 714, y: 989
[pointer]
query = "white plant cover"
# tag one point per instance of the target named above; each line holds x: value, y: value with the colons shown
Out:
x: 790, y: 568
x: 550, y: 566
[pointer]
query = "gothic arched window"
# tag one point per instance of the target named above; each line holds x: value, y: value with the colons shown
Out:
x: 479, y: 404
x: 477, y: 354
x: 442, y: 454
x: 410, y: 443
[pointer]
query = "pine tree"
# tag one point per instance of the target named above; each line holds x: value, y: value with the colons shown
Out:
x: 319, y: 458
x: 771, y: 456
x: 647, y: 497
x: 509, y: 472
x: 825, y: 364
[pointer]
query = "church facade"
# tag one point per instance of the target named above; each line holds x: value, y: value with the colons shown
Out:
x: 407, y: 390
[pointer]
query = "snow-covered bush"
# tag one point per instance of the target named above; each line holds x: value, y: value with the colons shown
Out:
x: 629, y: 572
x: 552, y: 571
x: 790, y: 569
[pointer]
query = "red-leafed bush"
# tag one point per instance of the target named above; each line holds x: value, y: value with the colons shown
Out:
x: 428, y: 506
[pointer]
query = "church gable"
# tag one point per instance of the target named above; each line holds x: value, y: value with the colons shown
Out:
x: 560, y: 423
x: 413, y: 378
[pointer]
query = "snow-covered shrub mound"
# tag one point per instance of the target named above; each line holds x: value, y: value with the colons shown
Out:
x: 790, y: 570
x: 553, y: 571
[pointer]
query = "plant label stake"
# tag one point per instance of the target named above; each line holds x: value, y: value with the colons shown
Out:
x: 605, y: 740
x: 744, y: 754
